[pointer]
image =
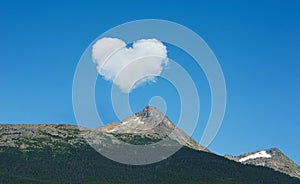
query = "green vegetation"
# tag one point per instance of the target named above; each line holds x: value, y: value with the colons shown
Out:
x: 138, y: 139
x: 84, y: 165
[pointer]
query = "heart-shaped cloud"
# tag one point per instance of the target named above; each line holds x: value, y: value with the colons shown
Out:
x: 128, y: 67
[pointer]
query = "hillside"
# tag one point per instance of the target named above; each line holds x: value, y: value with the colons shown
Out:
x: 59, y: 153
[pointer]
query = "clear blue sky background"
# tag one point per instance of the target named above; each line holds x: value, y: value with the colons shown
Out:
x: 257, y: 44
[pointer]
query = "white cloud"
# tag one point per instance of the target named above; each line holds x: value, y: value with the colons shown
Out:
x: 128, y: 67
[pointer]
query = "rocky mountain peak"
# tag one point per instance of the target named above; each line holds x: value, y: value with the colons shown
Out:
x: 273, y: 151
x: 148, y: 120
x: 151, y: 123
x: 149, y: 111
x: 151, y: 115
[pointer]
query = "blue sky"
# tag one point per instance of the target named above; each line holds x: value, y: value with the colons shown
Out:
x: 257, y: 44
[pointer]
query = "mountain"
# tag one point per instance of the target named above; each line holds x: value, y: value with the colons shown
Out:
x: 272, y: 158
x: 61, y: 153
x: 152, y: 124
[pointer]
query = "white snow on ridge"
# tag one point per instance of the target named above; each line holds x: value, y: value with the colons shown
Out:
x: 261, y: 154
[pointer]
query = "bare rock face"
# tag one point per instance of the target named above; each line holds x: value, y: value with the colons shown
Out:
x: 272, y: 158
x: 148, y: 121
x: 151, y: 123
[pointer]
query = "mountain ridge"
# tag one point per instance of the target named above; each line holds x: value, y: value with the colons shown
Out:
x: 272, y: 158
x: 31, y: 153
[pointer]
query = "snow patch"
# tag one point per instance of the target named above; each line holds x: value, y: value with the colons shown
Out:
x: 261, y: 154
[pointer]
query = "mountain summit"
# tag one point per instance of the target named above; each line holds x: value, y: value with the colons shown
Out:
x: 150, y: 123
x: 149, y: 120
